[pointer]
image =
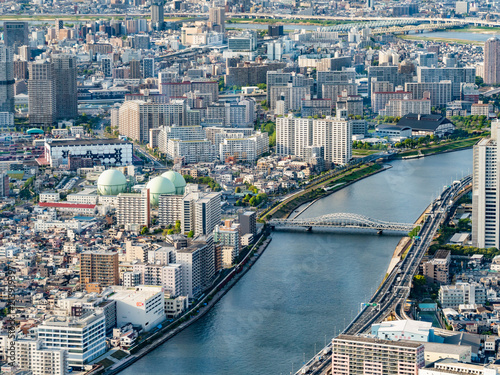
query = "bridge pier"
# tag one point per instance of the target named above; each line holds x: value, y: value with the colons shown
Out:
x: 380, y: 232
x: 309, y: 229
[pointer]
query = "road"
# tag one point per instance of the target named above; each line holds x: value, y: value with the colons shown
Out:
x: 396, y: 287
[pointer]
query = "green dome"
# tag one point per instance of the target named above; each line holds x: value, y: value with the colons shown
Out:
x: 177, y: 180
x: 111, y: 182
x: 158, y: 186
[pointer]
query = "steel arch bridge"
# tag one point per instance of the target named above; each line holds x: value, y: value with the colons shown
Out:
x: 341, y: 220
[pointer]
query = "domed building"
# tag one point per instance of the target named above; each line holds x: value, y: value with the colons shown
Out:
x: 111, y: 182
x: 177, y: 180
x: 159, y: 186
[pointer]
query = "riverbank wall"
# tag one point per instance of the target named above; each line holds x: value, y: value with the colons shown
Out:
x: 200, y: 309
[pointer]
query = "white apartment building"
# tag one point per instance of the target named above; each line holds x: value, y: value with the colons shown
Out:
x: 134, y: 210
x: 401, y: 107
x: 194, y: 151
x: 49, y: 197
x: 140, y: 305
x: 294, y: 135
x: 486, y: 191
x: 43, y: 225
x: 228, y: 236
x: 167, y: 276
x: 191, y: 261
x: 183, y: 133
x: 201, y: 212
x: 452, y: 296
x: 30, y: 355
x: 169, y: 209
x: 84, y: 338
x: 137, y: 117
x: 244, y: 149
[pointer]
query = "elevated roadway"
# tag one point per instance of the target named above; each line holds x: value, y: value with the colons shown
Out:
x: 396, y: 287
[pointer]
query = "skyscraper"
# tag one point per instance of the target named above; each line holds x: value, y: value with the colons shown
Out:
x: 15, y: 33
x: 65, y: 84
x: 42, y: 93
x: 492, y: 61
x: 217, y: 16
x: 157, y: 15
x: 486, y: 191
x: 6, y: 79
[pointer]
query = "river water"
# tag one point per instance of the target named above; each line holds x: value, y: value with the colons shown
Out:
x: 306, y: 286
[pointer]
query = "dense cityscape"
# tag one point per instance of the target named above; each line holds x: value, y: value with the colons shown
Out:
x: 249, y: 187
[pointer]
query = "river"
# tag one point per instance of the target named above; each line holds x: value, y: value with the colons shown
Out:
x: 306, y: 286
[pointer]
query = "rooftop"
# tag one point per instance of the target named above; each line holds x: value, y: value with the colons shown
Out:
x: 83, y: 142
x: 369, y: 340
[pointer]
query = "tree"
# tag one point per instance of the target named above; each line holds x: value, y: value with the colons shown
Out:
x: 144, y: 230
x: 178, y: 226
x: 237, y: 190
x: 419, y: 281
x: 107, y: 129
x: 190, y: 234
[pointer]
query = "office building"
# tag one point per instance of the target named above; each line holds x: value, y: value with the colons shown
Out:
x: 6, y: 79
x: 83, y: 338
x: 382, y: 73
x: 134, y: 210
x: 157, y: 14
x: 105, y: 151
x: 30, y: 355
x: 411, y: 330
x: 178, y: 89
x: 99, y: 267
x: 486, y: 191
x: 249, y: 73
x: 140, y: 305
x: 492, y: 61
x: 276, y: 78
x: 65, y: 74
x: 42, y: 94
x: 15, y: 34
x: 217, y: 18
x: 353, y: 355
x: 148, y: 68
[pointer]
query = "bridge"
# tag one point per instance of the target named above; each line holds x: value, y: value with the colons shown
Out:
x: 341, y: 220
x: 395, y: 288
